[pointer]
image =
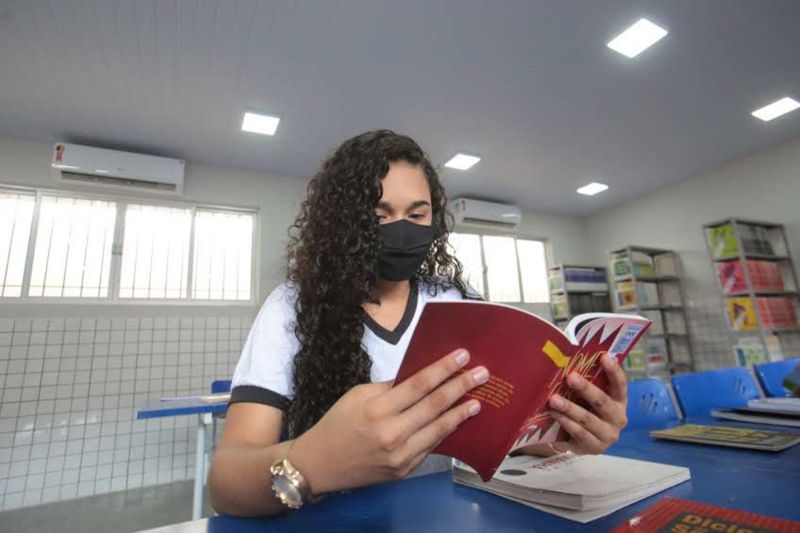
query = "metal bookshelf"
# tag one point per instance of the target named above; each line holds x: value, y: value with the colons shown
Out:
x: 670, y: 331
x: 560, y: 288
x: 764, y: 242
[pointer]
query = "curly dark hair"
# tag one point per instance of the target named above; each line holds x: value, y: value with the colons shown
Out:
x: 332, y: 262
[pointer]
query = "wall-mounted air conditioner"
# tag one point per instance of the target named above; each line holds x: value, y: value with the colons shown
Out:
x: 85, y: 165
x: 488, y: 214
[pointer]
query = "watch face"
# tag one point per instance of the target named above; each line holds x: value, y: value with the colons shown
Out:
x: 289, y: 491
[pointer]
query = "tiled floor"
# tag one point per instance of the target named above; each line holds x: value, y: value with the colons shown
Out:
x: 118, y: 512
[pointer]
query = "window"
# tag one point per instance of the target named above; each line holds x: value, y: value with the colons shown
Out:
x: 223, y: 244
x: 468, y: 251
x: 102, y: 248
x: 155, y: 256
x: 73, y: 248
x: 16, y: 214
x: 503, y: 268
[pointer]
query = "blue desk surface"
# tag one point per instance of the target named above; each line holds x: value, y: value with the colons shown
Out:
x: 156, y: 408
x: 760, y: 482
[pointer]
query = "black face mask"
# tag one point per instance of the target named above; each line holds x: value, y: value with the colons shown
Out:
x: 404, y: 246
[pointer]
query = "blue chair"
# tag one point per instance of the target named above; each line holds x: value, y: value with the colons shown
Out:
x: 701, y: 392
x: 649, y: 403
x: 771, y: 375
x: 220, y: 385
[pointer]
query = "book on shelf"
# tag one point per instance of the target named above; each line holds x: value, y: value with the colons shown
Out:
x: 754, y: 239
x: 741, y: 314
x: 776, y: 312
x: 676, y: 515
x: 648, y: 357
x: 582, y: 303
x: 577, y: 487
x: 632, y: 263
x: 582, y: 279
x: 636, y: 293
x: 749, y: 351
x: 735, y: 437
x: 528, y: 360
x: 764, y: 275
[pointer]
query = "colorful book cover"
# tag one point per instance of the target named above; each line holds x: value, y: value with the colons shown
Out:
x: 741, y: 314
x: 528, y: 360
x: 721, y: 241
x: 731, y: 277
x: 749, y: 351
x: 673, y: 515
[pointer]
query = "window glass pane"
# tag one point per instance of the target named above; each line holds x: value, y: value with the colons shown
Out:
x: 72, y: 257
x: 16, y: 215
x: 223, y: 251
x: 533, y: 265
x: 467, y: 248
x: 501, y: 268
x: 155, y: 255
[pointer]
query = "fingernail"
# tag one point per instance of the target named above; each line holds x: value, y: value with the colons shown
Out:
x: 574, y: 380
x: 480, y: 375
x: 608, y: 361
x: 556, y: 401
x: 462, y: 357
x: 474, y: 407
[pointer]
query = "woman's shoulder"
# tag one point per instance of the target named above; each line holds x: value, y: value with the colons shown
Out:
x: 280, y: 303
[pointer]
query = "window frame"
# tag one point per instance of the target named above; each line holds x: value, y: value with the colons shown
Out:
x: 491, y: 232
x: 121, y: 202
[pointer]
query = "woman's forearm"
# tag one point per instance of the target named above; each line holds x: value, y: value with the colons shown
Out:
x: 239, y: 480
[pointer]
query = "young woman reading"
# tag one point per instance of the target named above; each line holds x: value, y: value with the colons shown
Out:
x: 367, y: 250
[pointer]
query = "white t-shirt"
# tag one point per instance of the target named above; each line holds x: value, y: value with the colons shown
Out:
x: 264, y: 372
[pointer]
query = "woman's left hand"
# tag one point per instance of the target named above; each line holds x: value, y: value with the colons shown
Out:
x: 591, y: 430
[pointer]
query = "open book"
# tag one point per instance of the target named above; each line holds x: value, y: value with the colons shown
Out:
x: 528, y: 360
x: 577, y: 487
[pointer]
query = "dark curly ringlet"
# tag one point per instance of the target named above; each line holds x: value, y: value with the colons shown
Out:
x: 332, y: 261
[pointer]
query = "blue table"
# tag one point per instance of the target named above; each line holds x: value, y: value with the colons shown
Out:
x: 157, y: 408
x: 754, y: 481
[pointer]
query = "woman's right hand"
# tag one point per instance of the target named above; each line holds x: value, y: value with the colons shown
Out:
x: 376, y: 432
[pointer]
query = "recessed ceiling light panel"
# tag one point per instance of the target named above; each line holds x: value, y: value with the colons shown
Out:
x: 592, y: 189
x: 462, y: 161
x: 638, y: 38
x: 776, y: 109
x: 257, y: 123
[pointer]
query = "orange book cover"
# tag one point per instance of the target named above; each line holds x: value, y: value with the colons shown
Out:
x: 528, y: 359
x: 672, y: 515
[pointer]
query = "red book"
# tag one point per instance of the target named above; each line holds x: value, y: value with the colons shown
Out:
x: 528, y: 359
x: 670, y: 515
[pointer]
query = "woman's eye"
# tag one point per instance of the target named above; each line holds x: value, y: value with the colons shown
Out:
x: 416, y: 216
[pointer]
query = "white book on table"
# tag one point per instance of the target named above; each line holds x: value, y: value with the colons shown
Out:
x: 578, y: 487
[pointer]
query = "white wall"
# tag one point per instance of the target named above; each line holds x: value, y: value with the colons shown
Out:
x: 765, y: 186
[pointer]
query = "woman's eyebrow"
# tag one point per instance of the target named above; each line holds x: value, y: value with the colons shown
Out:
x: 419, y: 203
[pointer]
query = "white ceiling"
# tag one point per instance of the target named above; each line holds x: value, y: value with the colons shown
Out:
x: 528, y: 85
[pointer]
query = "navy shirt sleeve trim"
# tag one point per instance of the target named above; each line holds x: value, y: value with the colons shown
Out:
x: 251, y: 394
